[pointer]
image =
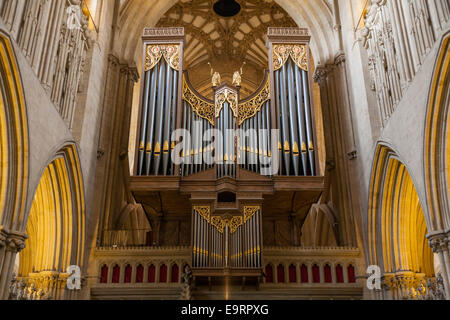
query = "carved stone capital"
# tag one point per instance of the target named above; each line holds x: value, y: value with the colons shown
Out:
x: 339, y: 59
x: 15, y: 242
x: 320, y: 75
x: 439, y: 242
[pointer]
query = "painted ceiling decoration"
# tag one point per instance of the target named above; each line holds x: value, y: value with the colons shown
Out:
x: 226, y: 42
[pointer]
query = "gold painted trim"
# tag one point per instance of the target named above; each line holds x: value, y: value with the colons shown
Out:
x: 249, y: 109
x: 204, y: 212
x: 201, y: 107
x: 226, y: 95
x: 298, y: 54
x: 154, y: 53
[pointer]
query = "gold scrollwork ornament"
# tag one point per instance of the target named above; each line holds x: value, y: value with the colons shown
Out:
x: 297, y: 52
x: 154, y: 53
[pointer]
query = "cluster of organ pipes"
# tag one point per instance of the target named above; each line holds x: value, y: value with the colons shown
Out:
x: 158, y: 120
x: 197, y: 147
x: 269, y: 133
x: 226, y: 143
x: 293, y: 110
x: 227, y: 242
x: 255, y: 142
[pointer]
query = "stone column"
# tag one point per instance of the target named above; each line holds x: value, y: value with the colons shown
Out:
x: 13, y: 244
x: 340, y: 146
x: 439, y: 243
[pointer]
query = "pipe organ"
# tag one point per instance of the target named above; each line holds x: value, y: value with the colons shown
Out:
x: 227, y: 241
x: 192, y: 149
x: 160, y: 98
x: 269, y: 133
x: 293, y: 109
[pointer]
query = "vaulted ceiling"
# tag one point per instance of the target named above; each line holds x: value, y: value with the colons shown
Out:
x: 226, y: 43
x: 212, y: 38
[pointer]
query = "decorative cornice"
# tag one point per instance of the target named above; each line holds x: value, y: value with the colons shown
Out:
x: 288, y: 34
x: 157, y: 34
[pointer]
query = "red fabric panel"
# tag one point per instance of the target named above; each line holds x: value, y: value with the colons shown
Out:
x: 104, y: 274
x: 163, y: 274
x: 280, y: 274
x: 174, y: 273
x: 316, y: 273
x: 292, y: 274
x: 140, y: 274
x: 339, y: 274
x: 128, y: 271
x: 269, y: 274
x: 351, y: 274
x: 304, y: 274
x: 327, y: 272
x: 116, y: 274
x: 151, y: 274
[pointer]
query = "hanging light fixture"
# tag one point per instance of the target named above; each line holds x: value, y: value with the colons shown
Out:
x: 227, y: 8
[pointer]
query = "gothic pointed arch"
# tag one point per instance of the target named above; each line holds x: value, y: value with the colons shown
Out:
x: 13, y: 140
x: 56, y: 224
x: 397, y: 226
x: 437, y: 141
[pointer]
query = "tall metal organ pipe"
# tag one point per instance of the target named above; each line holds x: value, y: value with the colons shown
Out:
x: 160, y: 97
x: 294, y: 119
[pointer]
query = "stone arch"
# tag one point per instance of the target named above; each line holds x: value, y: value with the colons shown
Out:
x: 56, y: 223
x: 437, y: 142
x: 13, y: 159
x: 397, y: 226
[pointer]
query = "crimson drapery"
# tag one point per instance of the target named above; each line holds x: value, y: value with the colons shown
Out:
x: 339, y: 274
x: 292, y: 274
x: 163, y: 274
x: 351, y: 274
x: 316, y: 273
x: 128, y: 271
x: 116, y: 274
x: 280, y: 274
x: 327, y: 273
x: 139, y: 274
x: 174, y: 277
x: 151, y: 274
x: 304, y: 274
x: 269, y: 274
x: 104, y: 274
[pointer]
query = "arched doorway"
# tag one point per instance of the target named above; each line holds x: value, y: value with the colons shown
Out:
x: 13, y: 161
x: 397, y: 228
x: 55, y: 228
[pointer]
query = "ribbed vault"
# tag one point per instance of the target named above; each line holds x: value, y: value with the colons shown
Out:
x: 135, y: 15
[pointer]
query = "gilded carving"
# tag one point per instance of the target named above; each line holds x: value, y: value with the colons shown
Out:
x: 203, y: 211
x: 226, y: 95
x: 234, y: 223
x: 154, y: 53
x: 249, y: 212
x: 249, y: 109
x: 201, y: 107
x: 298, y: 53
x: 218, y: 223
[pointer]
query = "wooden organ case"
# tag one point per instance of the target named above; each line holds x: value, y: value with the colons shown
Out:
x: 237, y: 162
